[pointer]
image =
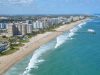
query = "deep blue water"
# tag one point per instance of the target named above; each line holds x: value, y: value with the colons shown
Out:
x: 72, y: 53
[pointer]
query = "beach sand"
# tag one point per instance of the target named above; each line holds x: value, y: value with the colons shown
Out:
x: 35, y: 42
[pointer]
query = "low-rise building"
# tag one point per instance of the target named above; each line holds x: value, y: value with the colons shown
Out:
x: 3, y: 47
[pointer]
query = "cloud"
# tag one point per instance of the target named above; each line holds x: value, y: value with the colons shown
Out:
x: 17, y: 2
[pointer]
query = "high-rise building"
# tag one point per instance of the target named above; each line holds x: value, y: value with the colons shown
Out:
x: 24, y: 29
x: 10, y: 29
x: 38, y: 25
x: 29, y: 28
x: 19, y: 29
x: 19, y: 26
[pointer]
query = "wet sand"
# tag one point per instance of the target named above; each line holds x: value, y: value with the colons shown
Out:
x: 35, y: 42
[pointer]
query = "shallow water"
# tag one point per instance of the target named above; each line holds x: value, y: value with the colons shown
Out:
x: 73, y: 53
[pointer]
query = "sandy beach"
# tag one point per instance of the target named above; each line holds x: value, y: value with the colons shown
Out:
x: 35, y: 42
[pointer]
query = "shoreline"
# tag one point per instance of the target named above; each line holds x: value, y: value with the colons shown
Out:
x: 35, y: 42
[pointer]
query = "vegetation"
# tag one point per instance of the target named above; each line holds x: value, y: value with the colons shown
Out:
x: 10, y: 51
x: 17, y: 41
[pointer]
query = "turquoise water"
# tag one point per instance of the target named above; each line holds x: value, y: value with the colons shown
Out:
x: 73, y: 53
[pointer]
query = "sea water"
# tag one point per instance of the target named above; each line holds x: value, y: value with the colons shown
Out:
x: 76, y: 52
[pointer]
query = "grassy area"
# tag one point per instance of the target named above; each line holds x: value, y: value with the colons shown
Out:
x: 3, y: 38
x: 12, y: 49
x: 22, y: 40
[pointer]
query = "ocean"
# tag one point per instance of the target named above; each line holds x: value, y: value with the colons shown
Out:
x: 76, y: 52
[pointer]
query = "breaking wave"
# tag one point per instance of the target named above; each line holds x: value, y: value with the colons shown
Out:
x: 36, y: 58
x: 62, y: 38
x: 37, y: 55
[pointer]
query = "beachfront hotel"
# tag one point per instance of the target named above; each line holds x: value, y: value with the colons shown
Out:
x: 10, y: 29
x: 23, y: 27
x: 44, y: 23
x: 19, y: 29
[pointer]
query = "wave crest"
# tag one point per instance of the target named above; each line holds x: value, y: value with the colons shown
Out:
x: 36, y: 58
x: 62, y: 38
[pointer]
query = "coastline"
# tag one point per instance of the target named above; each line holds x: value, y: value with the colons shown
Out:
x: 35, y: 42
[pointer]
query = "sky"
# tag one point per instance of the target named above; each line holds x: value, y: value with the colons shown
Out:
x: 31, y: 7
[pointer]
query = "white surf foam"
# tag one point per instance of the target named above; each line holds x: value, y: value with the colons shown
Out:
x: 80, y: 25
x: 62, y: 38
x: 36, y: 58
